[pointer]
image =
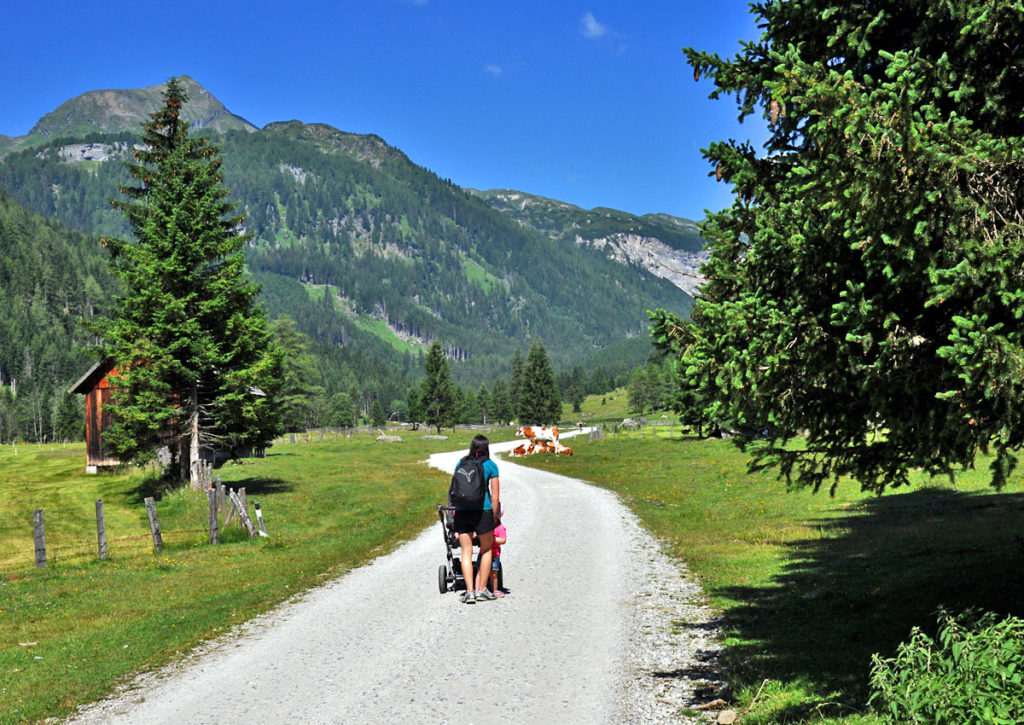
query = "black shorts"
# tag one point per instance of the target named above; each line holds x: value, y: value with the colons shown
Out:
x: 474, y: 522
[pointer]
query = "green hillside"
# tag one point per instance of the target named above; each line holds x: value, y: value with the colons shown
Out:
x: 373, y: 256
x: 50, y: 278
x: 394, y: 241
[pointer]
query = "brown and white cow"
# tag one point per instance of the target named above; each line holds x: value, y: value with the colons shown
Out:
x: 538, y: 434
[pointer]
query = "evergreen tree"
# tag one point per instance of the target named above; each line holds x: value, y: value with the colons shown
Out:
x: 501, y: 403
x: 298, y: 389
x: 483, y: 401
x: 539, y: 402
x: 437, y: 392
x: 377, y: 415
x: 191, y: 347
x: 516, y: 380
x: 341, y: 413
x: 414, y: 406
x: 638, y: 391
x: 69, y: 419
x: 864, y: 287
x: 357, y: 402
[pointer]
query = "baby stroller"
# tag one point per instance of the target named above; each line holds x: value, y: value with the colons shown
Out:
x: 449, y: 576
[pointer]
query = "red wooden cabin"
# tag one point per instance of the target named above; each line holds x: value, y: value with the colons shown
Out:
x: 95, y: 386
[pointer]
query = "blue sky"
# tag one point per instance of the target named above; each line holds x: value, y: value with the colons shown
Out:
x: 587, y: 102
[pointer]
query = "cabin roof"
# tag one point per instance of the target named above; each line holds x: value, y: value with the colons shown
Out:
x: 95, y: 374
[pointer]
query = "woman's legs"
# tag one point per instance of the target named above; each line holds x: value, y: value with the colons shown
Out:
x: 466, y: 544
x: 486, y: 542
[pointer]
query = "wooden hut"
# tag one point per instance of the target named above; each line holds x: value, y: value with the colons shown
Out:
x: 95, y: 386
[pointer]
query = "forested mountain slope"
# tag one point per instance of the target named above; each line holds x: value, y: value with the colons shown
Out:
x: 376, y: 257
x: 50, y: 278
x: 666, y: 246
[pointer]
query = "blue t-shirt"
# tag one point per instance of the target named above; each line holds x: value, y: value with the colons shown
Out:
x: 490, y: 471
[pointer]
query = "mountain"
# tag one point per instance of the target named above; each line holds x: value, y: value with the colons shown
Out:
x: 115, y: 111
x: 666, y: 246
x: 374, y: 256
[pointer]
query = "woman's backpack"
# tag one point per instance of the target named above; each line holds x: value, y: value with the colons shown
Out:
x: 469, y: 484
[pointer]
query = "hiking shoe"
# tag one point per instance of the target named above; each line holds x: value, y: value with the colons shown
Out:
x: 485, y: 594
x: 468, y: 598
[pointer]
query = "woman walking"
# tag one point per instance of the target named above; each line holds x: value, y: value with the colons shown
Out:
x: 481, y: 522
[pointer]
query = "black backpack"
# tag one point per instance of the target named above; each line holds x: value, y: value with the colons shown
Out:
x: 469, y: 484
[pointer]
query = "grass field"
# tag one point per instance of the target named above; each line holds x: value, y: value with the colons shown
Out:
x: 71, y: 631
x: 811, y: 586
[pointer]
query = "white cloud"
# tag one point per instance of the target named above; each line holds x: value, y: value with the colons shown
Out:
x: 492, y: 69
x: 590, y: 28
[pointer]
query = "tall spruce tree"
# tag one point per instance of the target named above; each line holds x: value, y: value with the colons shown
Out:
x: 501, y: 406
x: 194, y: 360
x: 483, y: 401
x: 437, y: 402
x: 539, y: 401
x: 865, y: 287
x: 515, y: 388
x: 298, y: 388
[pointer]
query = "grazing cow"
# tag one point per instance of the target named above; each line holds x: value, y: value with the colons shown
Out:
x: 519, y: 450
x: 564, y: 451
x: 538, y: 434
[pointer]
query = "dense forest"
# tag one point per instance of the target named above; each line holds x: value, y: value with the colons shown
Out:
x: 50, y: 279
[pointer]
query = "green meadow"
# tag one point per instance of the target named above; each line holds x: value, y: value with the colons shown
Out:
x: 73, y: 630
x: 808, y: 586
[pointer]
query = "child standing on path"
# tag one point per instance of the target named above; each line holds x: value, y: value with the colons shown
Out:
x: 500, y: 536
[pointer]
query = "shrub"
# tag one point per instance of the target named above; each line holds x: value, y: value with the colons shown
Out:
x: 973, y: 674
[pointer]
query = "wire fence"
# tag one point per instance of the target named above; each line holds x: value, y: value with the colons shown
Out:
x: 225, y: 505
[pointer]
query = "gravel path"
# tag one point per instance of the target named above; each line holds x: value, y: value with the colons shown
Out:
x: 598, y: 627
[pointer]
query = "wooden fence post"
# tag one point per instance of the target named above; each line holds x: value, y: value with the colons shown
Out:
x: 40, y: 535
x: 221, y: 495
x: 101, y: 529
x: 259, y: 517
x: 154, y: 525
x: 212, y: 498
x: 242, y: 513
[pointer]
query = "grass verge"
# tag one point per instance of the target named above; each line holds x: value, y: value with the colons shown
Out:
x: 72, y: 631
x: 810, y: 586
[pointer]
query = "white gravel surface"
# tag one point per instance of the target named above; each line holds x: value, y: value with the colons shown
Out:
x: 598, y: 627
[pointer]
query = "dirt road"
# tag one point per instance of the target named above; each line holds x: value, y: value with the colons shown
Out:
x: 382, y: 645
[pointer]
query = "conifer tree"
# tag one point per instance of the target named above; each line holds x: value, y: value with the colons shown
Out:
x: 865, y: 286
x: 483, y: 401
x: 516, y: 380
x: 191, y: 347
x: 501, y: 405
x: 298, y: 386
x: 341, y: 413
x: 539, y: 401
x: 378, y: 417
x: 437, y: 392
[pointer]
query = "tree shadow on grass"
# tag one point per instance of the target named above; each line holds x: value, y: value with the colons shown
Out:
x: 870, y: 578
x: 159, y: 486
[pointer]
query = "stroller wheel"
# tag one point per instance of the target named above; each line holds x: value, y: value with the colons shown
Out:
x: 442, y: 578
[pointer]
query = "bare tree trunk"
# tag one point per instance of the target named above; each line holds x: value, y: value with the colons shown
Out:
x: 195, y: 472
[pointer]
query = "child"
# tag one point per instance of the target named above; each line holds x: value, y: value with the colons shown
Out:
x: 500, y: 536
